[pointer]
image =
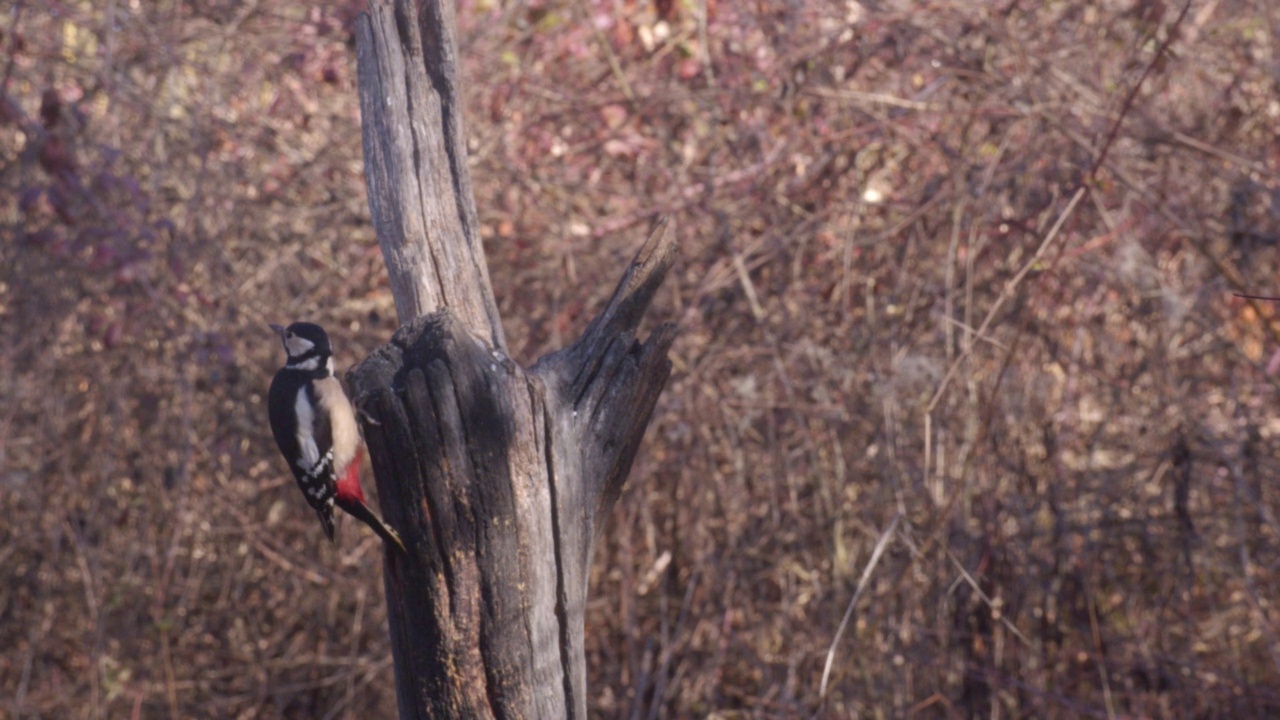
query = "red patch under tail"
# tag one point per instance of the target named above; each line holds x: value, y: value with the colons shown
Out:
x: 349, y: 489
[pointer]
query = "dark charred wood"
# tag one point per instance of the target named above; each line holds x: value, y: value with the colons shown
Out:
x: 498, y: 479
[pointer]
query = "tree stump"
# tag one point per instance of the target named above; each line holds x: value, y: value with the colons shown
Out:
x: 497, y: 477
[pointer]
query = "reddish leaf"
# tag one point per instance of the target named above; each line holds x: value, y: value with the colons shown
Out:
x: 50, y: 108
x: 55, y: 158
x: 114, y: 332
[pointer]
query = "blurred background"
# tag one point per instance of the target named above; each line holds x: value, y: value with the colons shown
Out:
x: 896, y: 301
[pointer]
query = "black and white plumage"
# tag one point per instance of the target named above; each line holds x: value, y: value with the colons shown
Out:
x: 315, y: 427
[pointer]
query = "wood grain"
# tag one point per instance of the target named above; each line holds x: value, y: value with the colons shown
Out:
x: 498, y: 477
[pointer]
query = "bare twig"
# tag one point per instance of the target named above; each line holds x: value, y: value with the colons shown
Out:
x: 1007, y: 292
x: 857, y: 593
x: 1156, y: 59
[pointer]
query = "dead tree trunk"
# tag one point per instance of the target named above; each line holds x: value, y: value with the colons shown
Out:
x: 498, y: 477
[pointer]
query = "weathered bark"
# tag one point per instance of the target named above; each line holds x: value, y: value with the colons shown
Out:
x: 497, y: 477
x: 415, y: 160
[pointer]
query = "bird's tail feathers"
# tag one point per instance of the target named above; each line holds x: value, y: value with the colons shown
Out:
x: 326, y: 519
x: 368, y: 517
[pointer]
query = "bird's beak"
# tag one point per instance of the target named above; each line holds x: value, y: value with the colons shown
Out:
x: 279, y: 330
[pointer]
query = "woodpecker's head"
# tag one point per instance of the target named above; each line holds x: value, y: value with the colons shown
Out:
x: 307, y: 346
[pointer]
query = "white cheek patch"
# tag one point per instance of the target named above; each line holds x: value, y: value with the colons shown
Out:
x: 308, y: 454
x: 296, y: 346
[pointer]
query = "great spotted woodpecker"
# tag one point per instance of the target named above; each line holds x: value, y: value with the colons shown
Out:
x: 315, y: 427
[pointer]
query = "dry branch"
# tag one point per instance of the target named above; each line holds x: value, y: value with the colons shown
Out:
x: 416, y: 165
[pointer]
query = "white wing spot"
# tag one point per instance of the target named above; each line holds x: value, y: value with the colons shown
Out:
x: 309, y: 454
